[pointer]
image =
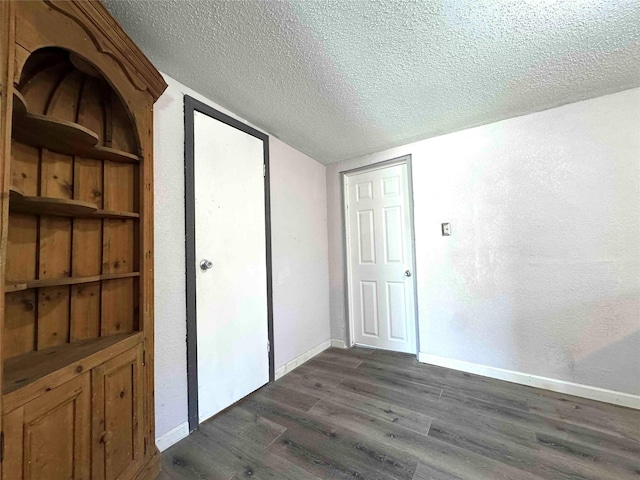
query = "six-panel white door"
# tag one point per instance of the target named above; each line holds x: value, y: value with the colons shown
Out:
x: 231, y: 295
x: 381, y: 259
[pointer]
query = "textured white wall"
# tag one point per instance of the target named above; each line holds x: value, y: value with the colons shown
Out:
x: 542, y: 272
x: 300, y: 252
x: 299, y: 241
x: 169, y: 265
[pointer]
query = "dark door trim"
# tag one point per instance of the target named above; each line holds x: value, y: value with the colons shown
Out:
x: 191, y: 105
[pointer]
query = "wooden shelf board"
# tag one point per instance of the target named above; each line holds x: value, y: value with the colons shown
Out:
x: 57, y: 135
x: 19, y: 104
x: 61, y: 136
x: 56, y: 282
x: 61, y: 207
x: 113, y: 155
x: 15, y: 192
x: 110, y: 214
x: 15, y: 287
x: 31, y: 374
x: 51, y: 206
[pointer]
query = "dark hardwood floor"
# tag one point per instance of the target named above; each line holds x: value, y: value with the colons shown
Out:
x: 371, y: 414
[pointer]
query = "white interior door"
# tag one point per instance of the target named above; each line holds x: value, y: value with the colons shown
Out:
x: 381, y: 259
x: 231, y: 295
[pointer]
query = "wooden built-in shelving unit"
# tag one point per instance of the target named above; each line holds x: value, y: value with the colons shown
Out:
x: 76, y: 224
x: 76, y: 233
x: 72, y: 260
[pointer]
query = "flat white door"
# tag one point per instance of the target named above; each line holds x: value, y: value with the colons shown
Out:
x: 381, y: 259
x: 231, y: 296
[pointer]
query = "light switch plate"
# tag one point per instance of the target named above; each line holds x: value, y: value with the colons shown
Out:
x: 446, y: 229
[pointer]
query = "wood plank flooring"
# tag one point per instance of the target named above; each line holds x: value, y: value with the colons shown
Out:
x: 376, y: 415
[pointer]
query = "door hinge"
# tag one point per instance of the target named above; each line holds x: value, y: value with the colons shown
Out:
x: 144, y: 358
x: 264, y: 170
x: 1, y: 447
x: 268, y: 346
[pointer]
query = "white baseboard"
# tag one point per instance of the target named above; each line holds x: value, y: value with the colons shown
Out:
x: 338, y: 343
x: 172, y: 436
x: 579, y: 390
x: 299, y: 360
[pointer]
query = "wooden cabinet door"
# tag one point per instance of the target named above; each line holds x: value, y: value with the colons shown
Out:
x: 48, y: 438
x: 118, y: 401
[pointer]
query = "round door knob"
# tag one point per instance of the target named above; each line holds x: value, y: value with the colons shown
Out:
x: 407, y: 273
x: 206, y: 265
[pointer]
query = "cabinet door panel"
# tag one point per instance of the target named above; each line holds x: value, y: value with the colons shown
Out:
x: 49, y: 436
x: 12, y: 462
x: 117, y: 426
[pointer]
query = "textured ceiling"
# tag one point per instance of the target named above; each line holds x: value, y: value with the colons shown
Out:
x: 342, y: 78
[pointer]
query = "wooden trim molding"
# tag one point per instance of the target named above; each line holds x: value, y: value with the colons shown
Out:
x: 110, y: 39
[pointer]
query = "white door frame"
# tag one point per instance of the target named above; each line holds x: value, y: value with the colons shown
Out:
x: 191, y: 105
x: 346, y: 251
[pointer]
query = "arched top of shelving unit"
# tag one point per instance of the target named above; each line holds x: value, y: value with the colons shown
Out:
x: 73, y: 109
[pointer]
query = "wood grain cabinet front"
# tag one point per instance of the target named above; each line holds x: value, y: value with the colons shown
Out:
x: 48, y: 438
x: 118, y: 403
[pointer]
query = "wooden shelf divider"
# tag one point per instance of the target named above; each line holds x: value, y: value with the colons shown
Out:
x: 62, y: 207
x: 100, y: 152
x: 15, y: 287
x: 51, y: 206
x: 61, y: 136
x: 115, y: 215
x: 15, y: 192
x: 19, y: 104
x: 58, y: 135
x: 56, y: 282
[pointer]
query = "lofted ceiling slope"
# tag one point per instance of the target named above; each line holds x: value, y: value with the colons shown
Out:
x: 338, y: 79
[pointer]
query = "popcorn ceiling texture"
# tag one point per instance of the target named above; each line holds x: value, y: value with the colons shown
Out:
x: 338, y: 79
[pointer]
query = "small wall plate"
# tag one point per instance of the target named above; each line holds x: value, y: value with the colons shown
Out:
x: 446, y: 229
